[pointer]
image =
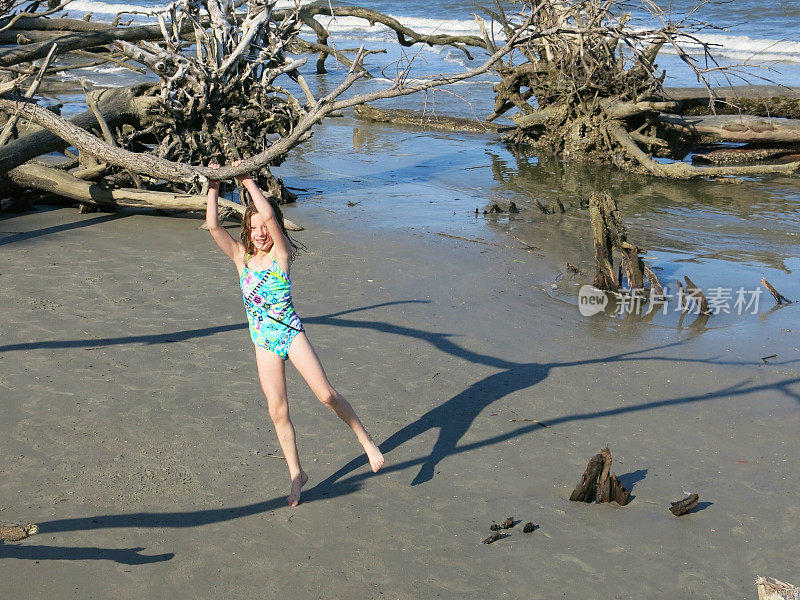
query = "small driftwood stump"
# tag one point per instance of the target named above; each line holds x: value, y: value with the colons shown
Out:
x: 529, y: 527
x: 681, y: 507
x: 598, y: 484
x: 15, y: 533
x: 779, y: 298
x: 493, y: 537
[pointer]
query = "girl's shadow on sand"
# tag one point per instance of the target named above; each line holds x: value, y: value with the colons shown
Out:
x: 452, y: 418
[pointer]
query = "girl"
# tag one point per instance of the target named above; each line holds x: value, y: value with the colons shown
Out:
x: 263, y: 259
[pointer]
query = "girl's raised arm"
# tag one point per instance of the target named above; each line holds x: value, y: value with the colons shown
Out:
x: 281, y: 245
x: 224, y: 240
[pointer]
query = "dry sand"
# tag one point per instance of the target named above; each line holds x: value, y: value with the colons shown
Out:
x: 135, y: 434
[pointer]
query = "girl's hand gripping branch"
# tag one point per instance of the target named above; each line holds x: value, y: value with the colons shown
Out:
x: 224, y: 240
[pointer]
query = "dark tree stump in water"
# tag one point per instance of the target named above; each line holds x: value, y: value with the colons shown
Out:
x: 610, y: 234
x: 599, y: 484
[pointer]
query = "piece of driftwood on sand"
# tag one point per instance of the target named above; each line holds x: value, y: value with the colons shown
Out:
x: 685, y: 506
x: 598, y: 484
x: 15, y: 533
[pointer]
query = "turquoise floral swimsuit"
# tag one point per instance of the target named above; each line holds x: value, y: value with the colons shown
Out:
x: 267, y: 298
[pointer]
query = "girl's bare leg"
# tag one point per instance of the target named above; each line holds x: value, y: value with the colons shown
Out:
x: 272, y: 374
x: 303, y: 357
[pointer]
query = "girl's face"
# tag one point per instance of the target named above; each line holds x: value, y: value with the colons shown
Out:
x: 259, y: 234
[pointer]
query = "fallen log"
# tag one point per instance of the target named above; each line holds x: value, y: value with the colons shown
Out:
x: 58, y: 24
x: 756, y: 100
x: 736, y: 128
x: 80, y: 40
x: 680, y: 170
x: 727, y: 156
x: 64, y: 184
x: 58, y: 182
x: 422, y: 119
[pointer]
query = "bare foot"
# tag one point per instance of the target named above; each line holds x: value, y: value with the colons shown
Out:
x: 293, y: 499
x: 374, y: 455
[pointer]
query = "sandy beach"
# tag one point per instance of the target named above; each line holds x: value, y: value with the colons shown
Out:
x: 136, y: 436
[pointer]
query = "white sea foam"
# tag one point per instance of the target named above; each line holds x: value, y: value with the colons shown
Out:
x: 736, y: 47
x: 107, y: 8
x: 422, y: 25
x: 742, y: 47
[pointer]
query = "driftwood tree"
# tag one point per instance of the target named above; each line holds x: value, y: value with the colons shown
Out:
x: 591, y: 89
x: 585, y: 84
x: 227, y: 88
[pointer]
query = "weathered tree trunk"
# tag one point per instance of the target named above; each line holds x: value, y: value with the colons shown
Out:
x: 605, y: 277
x: 586, y: 490
x: 736, y: 128
x: 415, y: 118
x: 117, y: 106
x: 609, y: 234
x: 64, y: 184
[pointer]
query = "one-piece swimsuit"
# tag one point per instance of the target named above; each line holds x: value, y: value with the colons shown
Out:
x: 267, y: 299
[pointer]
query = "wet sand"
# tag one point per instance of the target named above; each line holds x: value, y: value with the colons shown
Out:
x: 136, y: 436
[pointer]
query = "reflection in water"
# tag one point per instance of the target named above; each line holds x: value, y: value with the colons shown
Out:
x: 722, y: 232
x: 677, y: 311
x: 368, y: 140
